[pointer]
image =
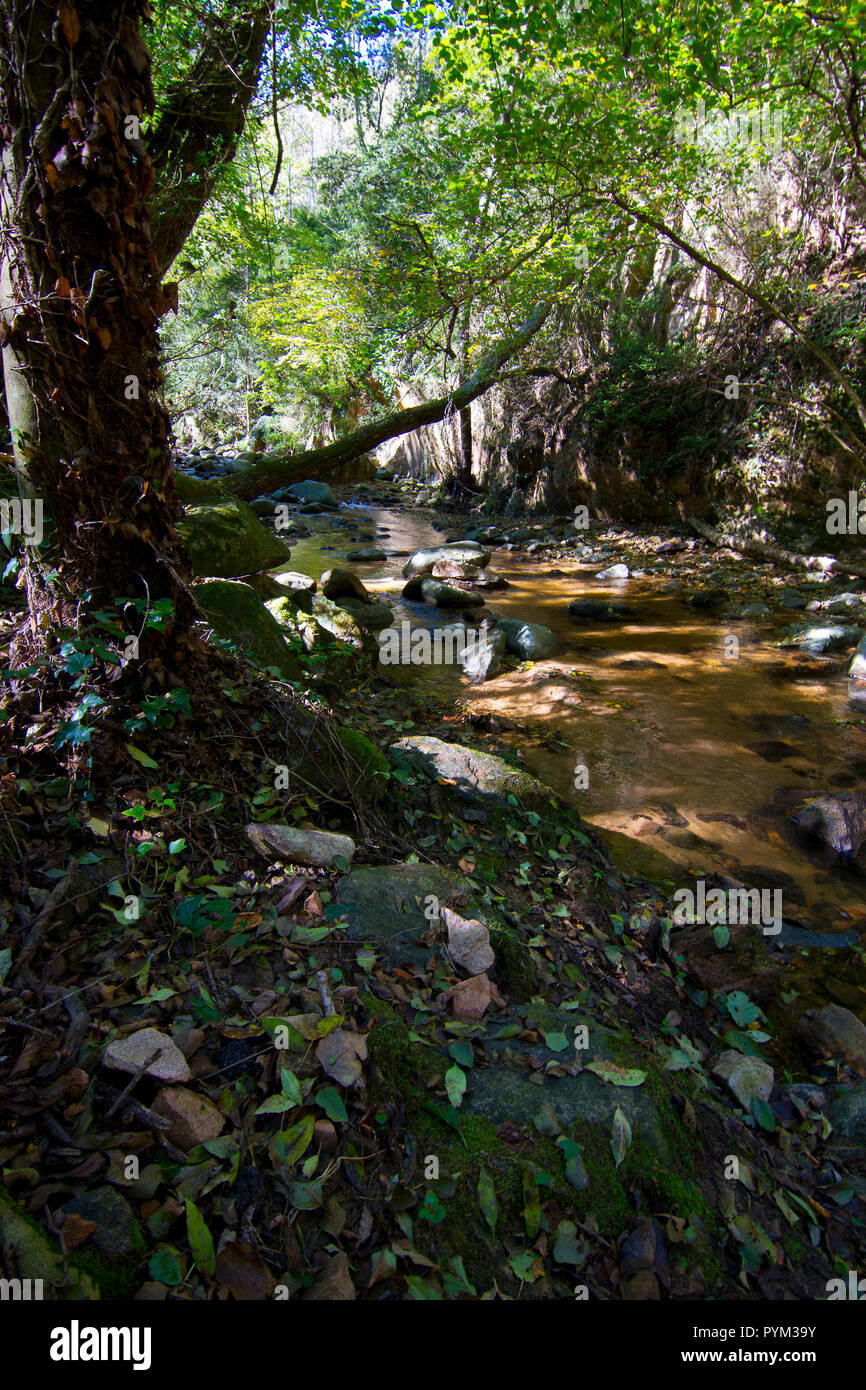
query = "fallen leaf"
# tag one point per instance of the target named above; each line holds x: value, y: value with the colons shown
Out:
x: 241, y: 1269
x: 76, y: 1230
x: 620, y: 1137
x: 340, y: 1055
x: 617, y: 1076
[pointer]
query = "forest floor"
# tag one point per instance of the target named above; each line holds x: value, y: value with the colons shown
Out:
x: 324, y: 1107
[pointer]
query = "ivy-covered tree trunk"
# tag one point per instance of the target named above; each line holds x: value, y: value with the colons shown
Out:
x: 81, y: 303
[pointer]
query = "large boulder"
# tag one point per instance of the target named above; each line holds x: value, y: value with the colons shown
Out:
x: 444, y: 595
x: 835, y: 637
x: 466, y: 557
x: 384, y: 905
x: 366, y: 555
x: 480, y: 774
x: 529, y: 641
x: 618, y: 571
x: 298, y: 589
x: 312, y: 491
x: 225, y: 539
x: 339, y: 583
x: 708, y: 599
x: 369, y: 615
x: 586, y: 610
x: 839, y: 821
x: 236, y: 613
x: 502, y: 1096
x: 318, y: 623
x: 834, y: 1032
x: 481, y: 657
x: 189, y: 488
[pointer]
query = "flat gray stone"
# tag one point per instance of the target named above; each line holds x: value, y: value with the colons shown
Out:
x: 500, y: 1095
x: 130, y: 1053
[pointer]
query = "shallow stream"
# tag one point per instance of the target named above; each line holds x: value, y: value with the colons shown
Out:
x: 692, y: 759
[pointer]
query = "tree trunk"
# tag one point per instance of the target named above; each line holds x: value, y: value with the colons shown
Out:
x: 463, y: 482
x: 82, y: 300
x: 198, y: 133
x: 274, y: 470
x: 766, y: 550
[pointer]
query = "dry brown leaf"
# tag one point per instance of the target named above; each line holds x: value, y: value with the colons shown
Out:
x: 340, y: 1055
x: 69, y: 22
x: 241, y: 1269
x: 334, y: 1284
x: 76, y: 1230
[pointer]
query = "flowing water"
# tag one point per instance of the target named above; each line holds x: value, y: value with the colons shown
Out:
x: 692, y: 759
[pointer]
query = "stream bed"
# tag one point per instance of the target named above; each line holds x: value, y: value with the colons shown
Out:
x: 684, y: 760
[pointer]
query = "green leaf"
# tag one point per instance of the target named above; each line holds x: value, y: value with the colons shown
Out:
x: 309, y: 936
x: 455, y: 1085
x: 557, y: 1042
x: 764, y: 1115
x: 422, y: 1289
x: 458, y: 1282
x: 620, y: 1141
x: 164, y: 1266
x: 305, y: 1196
x: 741, y: 1008
x: 575, y: 1172
x: 275, y: 1105
x: 431, y: 1209
x: 290, y: 1144
x: 200, y: 1239
x: 487, y: 1199
x: 139, y: 756
x: 446, y: 1113
x: 462, y: 1052
x: 156, y: 996
x: 617, y: 1076
x: 291, y: 1086
x: 567, y: 1248
x: 332, y: 1103
x: 525, y: 1266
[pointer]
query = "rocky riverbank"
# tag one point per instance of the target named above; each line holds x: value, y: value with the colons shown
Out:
x: 385, y: 1019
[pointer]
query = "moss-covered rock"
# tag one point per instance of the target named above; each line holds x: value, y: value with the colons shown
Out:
x: 225, y: 538
x: 341, y: 624
x: 32, y: 1256
x: 385, y: 906
x: 481, y: 774
x: 192, y: 490
x: 370, y: 616
x: 236, y: 613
